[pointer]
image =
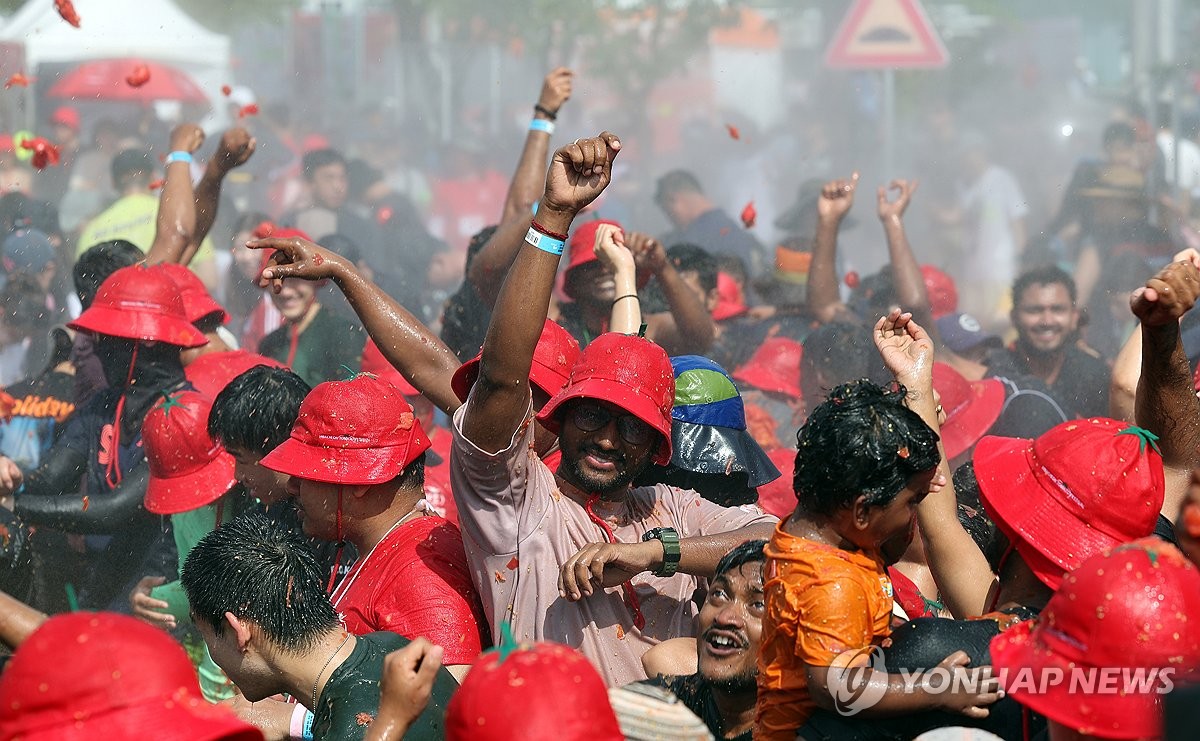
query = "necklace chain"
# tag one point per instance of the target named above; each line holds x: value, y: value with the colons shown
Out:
x: 317, y: 680
x: 348, y: 582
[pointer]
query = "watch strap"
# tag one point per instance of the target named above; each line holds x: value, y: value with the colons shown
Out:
x: 669, y: 538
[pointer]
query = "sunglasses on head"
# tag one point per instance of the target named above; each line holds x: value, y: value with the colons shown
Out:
x: 591, y: 417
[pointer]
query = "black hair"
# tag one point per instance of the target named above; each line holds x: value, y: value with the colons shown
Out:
x: 676, y: 182
x: 360, y: 176
x: 209, y: 323
x: 733, y: 266
x: 24, y: 304
x: 318, y: 158
x: 876, y: 294
x: 19, y: 211
x: 465, y: 316
x: 340, y: 244
x: 100, y: 261
x: 413, y: 475
x: 256, y: 411
x: 749, y: 552
x: 840, y: 352
x: 861, y: 441
x: 1119, y: 133
x: 259, y: 571
x: 691, y: 257
x: 248, y: 221
x: 1044, y: 275
x: 131, y: 166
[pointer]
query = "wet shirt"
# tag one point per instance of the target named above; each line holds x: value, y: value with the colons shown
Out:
x: 1081, y: 385
x: 821, y: 602
x: 329, y: 349
x: 697, y: 695
x: 519, y: 529
x: 416, y: 583
x: 350, y: 699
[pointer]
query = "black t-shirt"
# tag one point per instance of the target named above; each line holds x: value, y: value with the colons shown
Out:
x: 350, y: 700
x: 1081, y: 386
x: 695, y: 693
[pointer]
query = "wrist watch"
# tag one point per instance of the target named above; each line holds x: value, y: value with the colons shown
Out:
x: 670, y: 543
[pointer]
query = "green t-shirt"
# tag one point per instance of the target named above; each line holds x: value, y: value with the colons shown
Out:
x: 350, y: 699
x: 329, y: 349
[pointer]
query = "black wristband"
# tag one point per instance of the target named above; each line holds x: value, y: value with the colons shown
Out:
x: 539, y: 108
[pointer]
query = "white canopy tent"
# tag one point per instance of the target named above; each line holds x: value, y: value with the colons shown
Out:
x: 153, y: 30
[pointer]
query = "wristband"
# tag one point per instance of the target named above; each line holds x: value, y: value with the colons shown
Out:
x: 628, y: 295
x: 179, y: 156
x: 541, y: 124
x: 539, y: 108
x: 546, y: 231
x: 299, y: 716
x: 545, y: 242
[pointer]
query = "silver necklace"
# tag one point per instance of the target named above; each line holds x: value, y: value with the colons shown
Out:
x: 323, y: 668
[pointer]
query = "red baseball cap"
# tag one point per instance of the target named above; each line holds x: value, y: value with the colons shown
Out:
x: 556, y: 353
x: 1082, y: 487
x: 197, y: 301
x: 89, y: 675
x: 67, y: 116
x: 774, y: 367
x: 1128, y: 609
x: 140, y: 303
x: 187, y: 468
x: 542, y: 691
x: 943, y: 294
x: 358, y: 432
x: 631, y: 372
x: 971, y: 407
x: 730, y: 302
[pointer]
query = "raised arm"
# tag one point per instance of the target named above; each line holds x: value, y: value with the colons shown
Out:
x: 528, y: 180
x: 687, y: 329
x: 1166, y: 400
x: 489, y: 266
x: 499, y: 400
x: 17, y: 620
x: 175, y: 225
x: 906, y: 272
x: 235, y: 148
x: 612, y: 252
x: 960, y: 569
x: 412, y: 349
x: 836, y: 199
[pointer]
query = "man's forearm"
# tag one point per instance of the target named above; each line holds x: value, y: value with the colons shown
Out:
x: 1166, y: 401
x: 693, y: 323
x: 17, y: 620
x: 906, y: 272
x: 699, y: 556
x: 822, y: 278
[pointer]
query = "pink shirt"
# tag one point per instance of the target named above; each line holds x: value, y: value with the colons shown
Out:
x: 518, y: 530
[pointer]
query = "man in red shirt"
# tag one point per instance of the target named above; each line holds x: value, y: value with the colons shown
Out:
x: 356, y: 456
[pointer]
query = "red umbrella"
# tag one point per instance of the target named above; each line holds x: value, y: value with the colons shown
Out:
x: 105, y: 80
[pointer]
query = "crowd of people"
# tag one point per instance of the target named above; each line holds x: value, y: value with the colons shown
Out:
x: 258, y: 481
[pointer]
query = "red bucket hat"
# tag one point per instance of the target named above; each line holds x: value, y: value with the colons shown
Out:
x: 358, y: 432
x: 556, y: 353
x: 582, y: 244
x: 89, y: 675
x: 1120, y: 612
x: 774, y: 367
x: 1084, y: 486
x: 943, y: 294
x: 197, y: 301
x: 375, y: 364
x: 187, y: 469
x: 140, y: 303
x: 730, y: 302
x: 505, y: 696
x: 971, y: 407
x: 631, y: 372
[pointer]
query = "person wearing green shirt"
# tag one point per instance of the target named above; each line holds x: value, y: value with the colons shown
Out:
x: 257, y: 597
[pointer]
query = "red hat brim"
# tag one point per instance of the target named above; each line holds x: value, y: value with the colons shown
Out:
x: 364, y: 466
x: 1018, y: 495
x: 972, y: 422
x: 173, y: 719
x: 1114, y: 715
x: 136, y: 325
x: 545, y: 378
x: 765, y: 379
x: 205, y: 485
x: 623, y: 396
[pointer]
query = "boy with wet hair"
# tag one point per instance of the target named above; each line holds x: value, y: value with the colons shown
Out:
x: 865, y: 462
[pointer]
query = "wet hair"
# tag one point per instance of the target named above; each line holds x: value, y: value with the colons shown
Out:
x: 318, y: 158
x: 675, y: 182
x: 690, y: 257
x: 465, y: 316
x: 733, y: 266
x: 100, y: 261
x: 839, y: 351
x: 974, y: 518
x: 413, y: 475
x: 256, y: 411
x: 259, y: 571
x: 1045, y: 275
x: 862, y: 441
x: 749, y: 552
x: 1119, y: 133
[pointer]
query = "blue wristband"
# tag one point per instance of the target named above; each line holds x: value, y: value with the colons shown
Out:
x: 308, y: 724
x: 179, y: 156
x: 541, y: 124
x: 544, y: 242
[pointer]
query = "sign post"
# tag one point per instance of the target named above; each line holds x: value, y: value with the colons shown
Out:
x: 886, y: 35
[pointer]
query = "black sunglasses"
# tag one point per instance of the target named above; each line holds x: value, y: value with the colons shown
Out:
x: 590, y: 417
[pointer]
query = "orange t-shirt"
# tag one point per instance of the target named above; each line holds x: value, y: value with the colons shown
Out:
x: 821, y: 601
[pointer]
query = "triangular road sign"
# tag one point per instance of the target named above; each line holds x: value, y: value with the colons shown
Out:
x: 886, y: 33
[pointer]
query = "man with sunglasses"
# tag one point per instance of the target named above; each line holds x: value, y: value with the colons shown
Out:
x: 578, y: 555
